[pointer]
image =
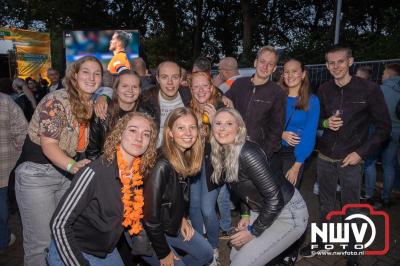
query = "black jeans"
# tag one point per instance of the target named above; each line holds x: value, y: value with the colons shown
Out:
x: 350, y: 178
x: 287, y: 159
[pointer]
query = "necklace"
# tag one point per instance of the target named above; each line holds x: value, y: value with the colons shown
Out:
x: 132, y: 193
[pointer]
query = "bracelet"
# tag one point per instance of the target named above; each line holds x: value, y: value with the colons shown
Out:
x: 325, y: 123
x: 250, y: 229
x: 70, y: 164
x: 245, y: 215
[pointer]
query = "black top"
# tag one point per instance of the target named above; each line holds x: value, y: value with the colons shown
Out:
x: 258, y: 188
x: 263, y: 109
x: 26, y: 106
x: 89, y: 216
x: 363, y: 104
x: 166, y: 201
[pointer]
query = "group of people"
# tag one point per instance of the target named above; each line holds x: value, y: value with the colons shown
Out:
x: 158, y: 168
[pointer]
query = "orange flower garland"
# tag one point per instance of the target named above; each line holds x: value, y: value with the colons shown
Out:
x: 132, y: 193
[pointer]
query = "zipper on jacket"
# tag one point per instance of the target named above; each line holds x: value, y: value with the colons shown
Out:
x: 340, y: 108
x: 251, y: 99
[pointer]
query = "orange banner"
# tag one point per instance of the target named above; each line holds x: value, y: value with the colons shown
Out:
x: 32, y: 51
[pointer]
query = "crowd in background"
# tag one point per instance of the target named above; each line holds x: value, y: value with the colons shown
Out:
x: 104, y: 164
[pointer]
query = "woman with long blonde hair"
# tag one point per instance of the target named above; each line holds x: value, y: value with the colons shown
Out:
x: 105, y: 197
x: 273, y: 213
x: 166, y: 194
x: 57, y: 134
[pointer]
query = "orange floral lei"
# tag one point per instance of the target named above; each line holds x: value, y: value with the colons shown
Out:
x: 132, y: 193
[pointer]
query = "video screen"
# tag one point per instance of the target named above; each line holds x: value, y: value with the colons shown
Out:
x: 98, y: 43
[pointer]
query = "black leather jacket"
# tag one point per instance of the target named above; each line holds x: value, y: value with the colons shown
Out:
x: 258, y: 189
x: 166, y: 198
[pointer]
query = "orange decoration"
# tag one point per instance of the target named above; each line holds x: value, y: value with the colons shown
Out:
x: 132, y: 193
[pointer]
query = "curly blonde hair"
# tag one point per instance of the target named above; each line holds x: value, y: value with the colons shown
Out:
x: 148, y: 158
x: 186, y: 163
x: 80, y: 101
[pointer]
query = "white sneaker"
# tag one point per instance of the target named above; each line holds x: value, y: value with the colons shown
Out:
x: 12, y: 240
x: 215, y: 261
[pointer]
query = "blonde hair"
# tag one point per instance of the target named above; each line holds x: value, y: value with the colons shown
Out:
x: 110, y: 146
x: 80, y: 101
x: 186, y: 163
x: 226, y: 158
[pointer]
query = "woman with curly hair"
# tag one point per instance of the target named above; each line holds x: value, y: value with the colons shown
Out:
x: 273, y: 213
x: 105, y: 197
x: 203, y: 192
x: 57, y: 134
x: 126, y: 91
x: 166, y: 194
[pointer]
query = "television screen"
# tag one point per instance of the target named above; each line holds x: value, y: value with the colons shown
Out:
x: 98, y: 43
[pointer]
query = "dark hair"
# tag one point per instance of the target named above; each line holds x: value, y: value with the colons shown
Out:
x: 6, y: 86
x: 114, y: 108
x: 394, y: 67
x: 203, y: 64
x: 304, y: 91
x: 337, y: 48
x: 123, y: 36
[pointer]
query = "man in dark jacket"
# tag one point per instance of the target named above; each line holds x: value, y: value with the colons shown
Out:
x: 160, y: 100
x: 348, y: 106
x: 261, y: 102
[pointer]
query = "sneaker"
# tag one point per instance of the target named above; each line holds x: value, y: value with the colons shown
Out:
x: 316, y: 188
x: 12, y: 240
x: 215, y: 261
x: 307, y: 252
x: 289, y: 260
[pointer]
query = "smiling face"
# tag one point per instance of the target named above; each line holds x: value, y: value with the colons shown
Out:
x: 225, y: 128
x: 338, y: 64
x: 135, y: 138
x: 293, y: 74
x: 128, y: 89
x: 89, y: 76
x: 265, y: 64
x: 184, y: 132
x: 201, y: 88
x: 169, y: 79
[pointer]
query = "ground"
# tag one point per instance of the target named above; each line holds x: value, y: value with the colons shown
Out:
x: 14, y: 255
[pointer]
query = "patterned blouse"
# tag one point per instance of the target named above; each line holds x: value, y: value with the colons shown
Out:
x: 53, y: 118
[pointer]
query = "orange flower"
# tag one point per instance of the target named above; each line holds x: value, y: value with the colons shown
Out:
x: 132, y: 193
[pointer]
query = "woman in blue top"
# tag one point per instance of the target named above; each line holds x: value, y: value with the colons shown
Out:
x: 302, y: 114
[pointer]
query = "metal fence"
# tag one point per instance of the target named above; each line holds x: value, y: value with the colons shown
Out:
x: 319, y: 74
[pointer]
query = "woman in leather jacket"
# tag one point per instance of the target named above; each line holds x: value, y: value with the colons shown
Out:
x: 166, y: 194
x: 273, y: 213
x: 126, y: 91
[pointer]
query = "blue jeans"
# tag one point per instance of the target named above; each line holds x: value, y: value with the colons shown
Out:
x: 286, y: 229
x: 198, y: 251
x: 4, y: 229
x: 113, y: 258
x: 224, y: 207
x: 390, y: 165
x: 38, y: 188
x: 202, y: 208
x: 370, y: 176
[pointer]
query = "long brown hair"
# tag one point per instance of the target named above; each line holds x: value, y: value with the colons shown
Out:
x: 114, y: 105
x: 195, y: 105
x: 185, y: 163
x: 110, y: 146
x: 304, y: 91
x: 80, y: 101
